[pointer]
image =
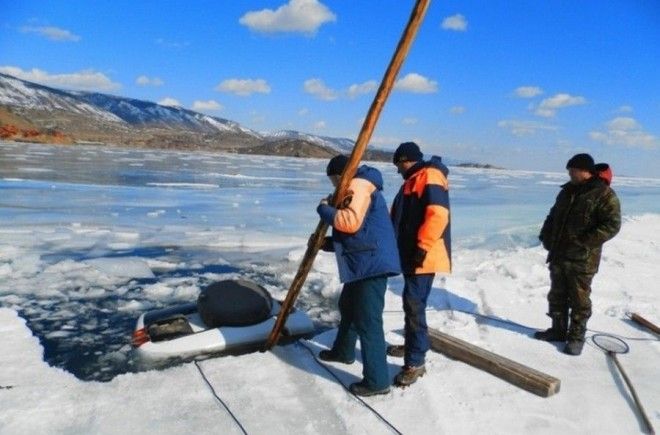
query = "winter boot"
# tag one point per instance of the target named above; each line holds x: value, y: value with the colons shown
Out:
x: 331, y: 356
x: 576, y: 333
x: 574, y: 347
x: 396, y: 350
x: 558, y: 331
x: 408, y: 375
x: 359, y: 389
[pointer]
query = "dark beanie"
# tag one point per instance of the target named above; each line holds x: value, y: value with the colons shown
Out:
x: 336, y: 165
x: 407, y: 152
x: 581, y: 161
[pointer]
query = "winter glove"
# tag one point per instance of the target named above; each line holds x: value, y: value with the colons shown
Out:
x: 344, y: 203
x: 326, y: 201
x: 418, y: 257
x: 326, y: 246
x: 347, y: 200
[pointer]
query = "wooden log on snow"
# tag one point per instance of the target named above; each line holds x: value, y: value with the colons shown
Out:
x: 515, y: 373
x: 642, y: 321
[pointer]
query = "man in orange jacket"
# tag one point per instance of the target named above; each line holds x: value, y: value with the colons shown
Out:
x: 420, y: 214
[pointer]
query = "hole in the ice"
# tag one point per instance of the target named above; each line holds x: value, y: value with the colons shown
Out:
x: 88, y: 331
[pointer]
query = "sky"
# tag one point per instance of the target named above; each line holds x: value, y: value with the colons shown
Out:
x: 517, y: 84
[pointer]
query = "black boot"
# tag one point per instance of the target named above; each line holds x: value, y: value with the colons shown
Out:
x: 558, y: 330
x: 359, y: 389
x: 332, y: 356
x: 576, y: 333
x: 574, y: 347
x: 396, y: 350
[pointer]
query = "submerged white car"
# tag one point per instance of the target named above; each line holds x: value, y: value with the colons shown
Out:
x: 228, y: 316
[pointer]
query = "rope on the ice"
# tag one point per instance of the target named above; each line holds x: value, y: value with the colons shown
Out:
x: 383, y: 419
x: 219, y: 399
x: 520, y: 325
x: 497, y: 319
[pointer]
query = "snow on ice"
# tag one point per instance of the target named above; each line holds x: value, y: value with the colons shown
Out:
x: 80, y: 258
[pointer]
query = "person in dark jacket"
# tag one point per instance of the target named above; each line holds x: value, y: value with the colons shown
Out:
x: 420, y: 215
x: 365, y: 248
x: 585, y: 215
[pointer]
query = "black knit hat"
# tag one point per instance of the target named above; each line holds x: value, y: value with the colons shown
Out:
x: 581, y: 161
x: 407, y: 152
x: 336, y: 165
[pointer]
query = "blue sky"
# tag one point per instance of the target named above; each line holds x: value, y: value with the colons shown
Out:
x: 520, y: 84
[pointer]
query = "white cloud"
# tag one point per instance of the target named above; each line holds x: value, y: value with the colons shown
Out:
x: 625, y: 131
x: 319, y: 125
x: 362, y: 88
x: 528, y: 91
x: 625, y: 109
x: 409, y: 121
x: 52, y: 33
x: 318, y: 88
x: 168, y: 101
x: 149, y: 81
x: 296, y: 16
x: 456, y: 22
x: 524, y: 128
x: 303, y: 112
x: 417, y: 84
x: 88, y: 80
x: 244, y: 87
x: 457, y: 110
x: 548, y: 107
x: 206, y: 106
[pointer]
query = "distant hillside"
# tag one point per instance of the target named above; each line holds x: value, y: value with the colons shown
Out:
x: 31, y: 112
x: 478, y: 165
x: 291, y: 147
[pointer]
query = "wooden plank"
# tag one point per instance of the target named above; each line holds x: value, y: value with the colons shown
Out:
x: 515, y: 373
x: 384, y: 90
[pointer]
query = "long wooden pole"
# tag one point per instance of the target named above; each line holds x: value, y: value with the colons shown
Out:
x: 645, y: 418
x: 642, y: 321
x: 361, y: 143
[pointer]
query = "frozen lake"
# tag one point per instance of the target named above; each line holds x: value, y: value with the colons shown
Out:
x: 90, y: 237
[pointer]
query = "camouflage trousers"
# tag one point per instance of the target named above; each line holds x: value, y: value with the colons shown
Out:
x: 570, y: 288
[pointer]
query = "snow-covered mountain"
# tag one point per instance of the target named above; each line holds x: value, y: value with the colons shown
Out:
x: 339, y: 144
x: 90, y: 116
x: 20, y: 95
x: 23, y: 96
x: 146, y: 113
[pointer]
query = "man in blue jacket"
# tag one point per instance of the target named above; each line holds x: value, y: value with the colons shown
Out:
x: 366, y: 251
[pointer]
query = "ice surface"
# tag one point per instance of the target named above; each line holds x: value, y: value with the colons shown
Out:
x: 81, y: 257
x: 127, y: 267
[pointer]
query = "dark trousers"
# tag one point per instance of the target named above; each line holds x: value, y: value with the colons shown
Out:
x: 415, y: 294
x: 361, y: 307
x: 571, y: 288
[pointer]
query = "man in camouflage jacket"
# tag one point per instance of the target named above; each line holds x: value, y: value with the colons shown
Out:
x: 585, y: 215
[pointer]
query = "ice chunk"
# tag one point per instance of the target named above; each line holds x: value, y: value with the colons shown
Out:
x: 125, y: 267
